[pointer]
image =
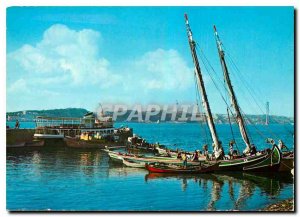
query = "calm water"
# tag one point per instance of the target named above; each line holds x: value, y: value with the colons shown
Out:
x: 72, y: 179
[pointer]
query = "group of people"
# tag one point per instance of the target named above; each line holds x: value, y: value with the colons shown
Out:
x: 184, y: 156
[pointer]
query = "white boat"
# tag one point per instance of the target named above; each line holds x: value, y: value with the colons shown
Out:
x: 118, y: 156
x: 115, y: 156
x: 134, y: 164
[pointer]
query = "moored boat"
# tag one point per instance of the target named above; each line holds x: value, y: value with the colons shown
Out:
x: 270, y: 163
x: 136, y: 143
x: 134, y: 164
x: 98, y: 128
x: 251, y: 160
x: 156, y: 159
x: 171, y: 168
x: 269, y: 160
x: 119, y: 156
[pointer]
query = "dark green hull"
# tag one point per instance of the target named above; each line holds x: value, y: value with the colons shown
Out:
x: 264, y: 162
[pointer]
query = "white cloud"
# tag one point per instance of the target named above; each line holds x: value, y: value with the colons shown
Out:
x: 19, y: 86
x: 66, y: 64
x: 63, y: 52
x: 164, y: 70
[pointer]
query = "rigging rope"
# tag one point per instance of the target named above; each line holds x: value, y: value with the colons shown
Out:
x: 215, y: 84
x: 258, y: 131
x: 261, y: 134
x: 232, y: 130
x: 250, y: 91
x: 199, y: 107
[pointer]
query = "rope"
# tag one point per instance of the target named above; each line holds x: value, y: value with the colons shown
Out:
x: 286, y: 165
x: 199, y: 107
x: 211, y: 77
x: 232, y: 131
x: 251, y: 90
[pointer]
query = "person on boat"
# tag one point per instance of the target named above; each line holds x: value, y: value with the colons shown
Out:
x: 231, y: 150
x: 253, y: 150
x: 179, y: 155
x: 169, y: 153
x: 281, y: 145
x: 205, y: 150
x: 184, y: 158
x: 17, y: 125
x: 195, y: 156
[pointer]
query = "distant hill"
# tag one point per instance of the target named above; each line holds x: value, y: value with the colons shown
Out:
x: 30, y: 115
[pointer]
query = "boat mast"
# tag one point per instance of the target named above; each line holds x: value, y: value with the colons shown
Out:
x: 234, y: 102
x: 218, y: 151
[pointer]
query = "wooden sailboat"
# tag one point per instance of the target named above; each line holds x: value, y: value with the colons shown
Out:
x: 157, y: 159
x: 171, y: 168
x: 262, y: 161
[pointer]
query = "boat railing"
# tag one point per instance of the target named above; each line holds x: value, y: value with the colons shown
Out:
x: 70, y: 123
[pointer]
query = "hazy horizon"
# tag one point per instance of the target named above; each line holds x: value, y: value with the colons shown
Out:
x: 262, y: 114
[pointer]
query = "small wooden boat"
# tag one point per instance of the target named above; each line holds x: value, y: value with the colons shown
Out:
x: 137, y: 143
x: 164, y: 152
x: 270, y: 163
x: 171, y: 168
x: 119, y: 156
x: 134, y: 164
x: 262, y: 161
x: 157, y: 159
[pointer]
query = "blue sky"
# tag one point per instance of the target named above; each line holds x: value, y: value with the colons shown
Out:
x: 59, y: 57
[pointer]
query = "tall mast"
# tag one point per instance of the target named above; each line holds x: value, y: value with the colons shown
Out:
x: 267, y: 113
x: 234, y: 102
x: 218, y: 151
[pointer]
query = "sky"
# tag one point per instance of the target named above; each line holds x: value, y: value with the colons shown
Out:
x: 62, y: 57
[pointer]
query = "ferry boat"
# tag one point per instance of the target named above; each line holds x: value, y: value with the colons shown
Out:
x: 88, y: 131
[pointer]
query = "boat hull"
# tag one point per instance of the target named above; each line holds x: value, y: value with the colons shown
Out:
x: 259, y: 163
x: 160, y: 160
x: 129, y: 163
x: 152, y: 168
x: 287, y: 163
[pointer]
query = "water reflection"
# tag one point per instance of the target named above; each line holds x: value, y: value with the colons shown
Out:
x: 234, y: 190
x: 67, y: 160
x: 240, y: 187
x: 215, y: 194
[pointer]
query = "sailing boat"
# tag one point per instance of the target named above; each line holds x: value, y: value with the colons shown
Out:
x: 268, y: 160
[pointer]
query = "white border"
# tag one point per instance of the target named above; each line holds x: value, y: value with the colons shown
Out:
x: 7, y: 3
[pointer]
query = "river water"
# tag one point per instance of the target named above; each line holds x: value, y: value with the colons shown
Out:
x: 69, y: 179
